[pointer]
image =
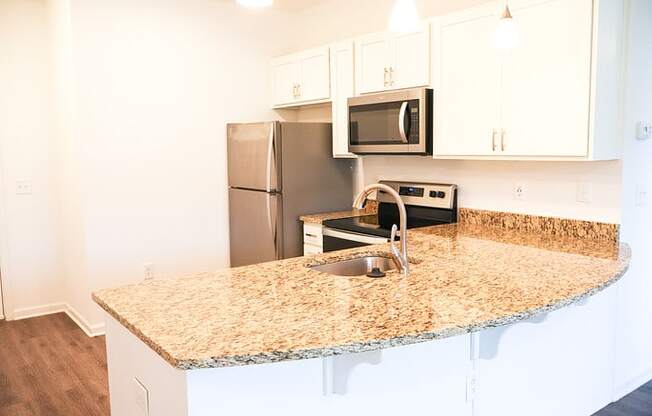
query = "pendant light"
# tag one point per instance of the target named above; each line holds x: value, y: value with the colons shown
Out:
x: 506, y: 36
x: 255, y: 3
x: 404, y: 17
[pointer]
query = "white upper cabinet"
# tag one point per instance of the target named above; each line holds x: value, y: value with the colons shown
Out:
x: 468, y: 88
x: 301, y: 78
x: 547, y: 81
x: 342, y: 88
x: 386, y: 61
x: 555, y: 96
x: 285, y: 73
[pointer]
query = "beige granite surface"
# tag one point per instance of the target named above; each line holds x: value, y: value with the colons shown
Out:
x: 463, y: 278
x: 539, y: 224
x: 370, y: 208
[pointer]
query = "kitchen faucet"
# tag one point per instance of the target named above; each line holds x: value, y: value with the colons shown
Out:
x: 400, y: 258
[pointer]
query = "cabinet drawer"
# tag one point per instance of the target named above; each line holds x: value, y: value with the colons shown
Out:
x: 309, y: 249
x: 312, y: 234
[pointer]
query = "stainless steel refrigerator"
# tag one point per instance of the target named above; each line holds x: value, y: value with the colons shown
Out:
x: 277, y: 172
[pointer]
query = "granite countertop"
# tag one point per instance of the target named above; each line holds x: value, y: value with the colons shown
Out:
x: 463, y: 278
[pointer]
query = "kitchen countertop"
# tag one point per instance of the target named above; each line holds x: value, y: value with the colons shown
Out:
x: 463, y: 278
x: 369, y: 209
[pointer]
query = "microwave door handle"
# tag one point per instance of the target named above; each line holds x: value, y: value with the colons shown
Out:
x: 401, y: 122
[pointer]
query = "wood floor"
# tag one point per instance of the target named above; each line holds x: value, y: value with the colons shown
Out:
x: 49, y: 367
x: 638, y: 403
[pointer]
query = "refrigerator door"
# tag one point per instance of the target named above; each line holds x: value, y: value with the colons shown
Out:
x: 313, y: 181
x: 255, y: 227
x: 253, y: 157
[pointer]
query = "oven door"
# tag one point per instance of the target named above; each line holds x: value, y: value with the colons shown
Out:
x: 389, y: 122
x: 335, y: 240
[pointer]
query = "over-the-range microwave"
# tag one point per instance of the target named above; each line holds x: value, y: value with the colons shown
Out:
x: 398, y: 122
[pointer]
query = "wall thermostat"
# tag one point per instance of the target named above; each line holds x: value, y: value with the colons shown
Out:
x: 643, y: 130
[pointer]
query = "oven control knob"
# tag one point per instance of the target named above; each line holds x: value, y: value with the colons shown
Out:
x: 441, y: 194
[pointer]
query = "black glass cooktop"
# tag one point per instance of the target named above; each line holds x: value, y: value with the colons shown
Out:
x: 375, y: 225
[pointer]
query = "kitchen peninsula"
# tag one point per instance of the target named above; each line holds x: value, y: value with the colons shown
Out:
x: 281, y: 338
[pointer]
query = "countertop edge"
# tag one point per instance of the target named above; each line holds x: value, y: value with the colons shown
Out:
x: 371, y: 345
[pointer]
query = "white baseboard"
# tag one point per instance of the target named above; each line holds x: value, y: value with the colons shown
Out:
x: 33, y: 312
x: 92, y: 330
x: 628, y: 387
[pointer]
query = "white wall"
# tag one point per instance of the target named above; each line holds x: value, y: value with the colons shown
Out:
x: 634, y: 340
x: 143, y: 159
x: 551, y: 188
x: 30, y: 255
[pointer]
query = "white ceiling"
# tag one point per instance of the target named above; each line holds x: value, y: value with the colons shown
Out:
x: 296, y: 5
x: 293, y: 5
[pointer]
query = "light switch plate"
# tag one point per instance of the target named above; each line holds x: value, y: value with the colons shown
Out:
x: 141, y: 397
x: 641, y: 196
x: 584, y: 192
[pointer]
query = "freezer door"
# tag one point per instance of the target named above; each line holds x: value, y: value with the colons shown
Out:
x: 254, y: 227
x: 252, y: 156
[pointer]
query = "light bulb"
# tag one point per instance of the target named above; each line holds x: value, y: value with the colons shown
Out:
x: 404, y: 17
x: 507, y: 36
x: 255, y: 3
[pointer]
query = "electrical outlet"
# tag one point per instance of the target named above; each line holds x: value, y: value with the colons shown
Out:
x: 519, y: 192
x: 643, y: 130
x: 148, y: 271
x: 23, y: 187
x: 584, y: 192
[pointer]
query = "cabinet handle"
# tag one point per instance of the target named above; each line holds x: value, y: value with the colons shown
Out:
x: 494, y: 133
x: 391, y: 76
x: 298, y: 90
x: 385, y: 76
x: 502, y: 140
x: 294, y: 90
x: 311, y: 235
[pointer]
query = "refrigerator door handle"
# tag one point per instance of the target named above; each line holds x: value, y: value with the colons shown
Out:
x: 270, y: 157
x: 270, y: 222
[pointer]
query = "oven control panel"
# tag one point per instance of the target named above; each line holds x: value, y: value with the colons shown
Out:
x: 422, y: 194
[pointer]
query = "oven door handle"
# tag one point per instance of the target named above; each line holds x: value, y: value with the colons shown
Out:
x: 359, y: 238
x: 401, y: 122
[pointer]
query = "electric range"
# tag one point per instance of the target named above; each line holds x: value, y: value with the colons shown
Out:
x: 426, y: 204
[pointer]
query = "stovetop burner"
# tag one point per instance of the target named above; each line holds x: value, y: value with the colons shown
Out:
x: 374, y: 225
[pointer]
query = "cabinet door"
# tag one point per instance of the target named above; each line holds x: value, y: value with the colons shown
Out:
x: 411, y: 66
x: 315, y: 75
x: 285, y: 75
x: 467, y: 84
x: 547, y: 80
x: 342, y: 88
x: 373, y: 59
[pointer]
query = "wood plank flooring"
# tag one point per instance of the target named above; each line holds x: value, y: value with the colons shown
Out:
x: 638, y: 403
x: 49, y: 367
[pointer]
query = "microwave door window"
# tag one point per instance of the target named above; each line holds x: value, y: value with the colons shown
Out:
x: 375, y: 124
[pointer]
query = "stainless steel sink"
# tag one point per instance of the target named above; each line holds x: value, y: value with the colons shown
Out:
x: 372, y: 266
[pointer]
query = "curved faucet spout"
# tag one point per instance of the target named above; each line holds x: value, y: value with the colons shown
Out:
x: 402, y: 257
